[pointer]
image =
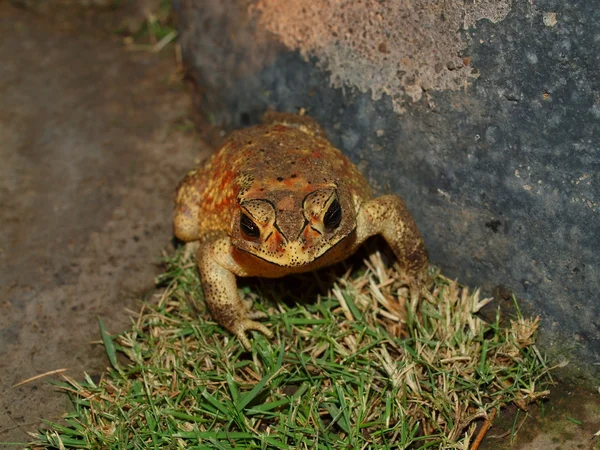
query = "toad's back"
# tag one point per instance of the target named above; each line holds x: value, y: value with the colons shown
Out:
x: 255, y: 162
x: 280, y: 199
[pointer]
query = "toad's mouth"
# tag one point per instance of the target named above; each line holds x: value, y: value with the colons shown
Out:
x: 296, y: 254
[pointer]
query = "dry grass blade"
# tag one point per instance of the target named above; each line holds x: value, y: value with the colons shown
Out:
x: 37, y: 377
x: 483, y: 431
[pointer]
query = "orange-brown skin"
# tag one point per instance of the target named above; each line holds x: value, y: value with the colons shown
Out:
x: 278, y: 199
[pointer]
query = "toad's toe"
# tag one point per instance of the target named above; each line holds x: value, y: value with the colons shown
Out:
x: 241, y: 327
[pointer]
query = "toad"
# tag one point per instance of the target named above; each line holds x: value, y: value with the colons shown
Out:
x: 277, y: 199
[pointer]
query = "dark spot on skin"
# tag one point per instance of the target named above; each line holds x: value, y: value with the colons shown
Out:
x: 279, y: 178
x: 294, y: 175
x: 262, y: 150
x: 493, y: 225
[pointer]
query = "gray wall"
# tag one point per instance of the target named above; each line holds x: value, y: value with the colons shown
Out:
x: 501, y: 176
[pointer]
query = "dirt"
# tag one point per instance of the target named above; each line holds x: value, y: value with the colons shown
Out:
x: 94, y: 139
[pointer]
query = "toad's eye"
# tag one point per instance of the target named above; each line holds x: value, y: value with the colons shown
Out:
x: 333, y: 216
x: 248, y: 227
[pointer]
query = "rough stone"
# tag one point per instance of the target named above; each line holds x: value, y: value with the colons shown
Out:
x: 399, y: 49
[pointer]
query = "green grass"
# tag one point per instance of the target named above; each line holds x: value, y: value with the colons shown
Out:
x: 360, y: 366
x: 152, y: 32
x: 157, y: 25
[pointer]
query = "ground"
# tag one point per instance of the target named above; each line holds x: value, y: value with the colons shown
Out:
x: 94, y: 139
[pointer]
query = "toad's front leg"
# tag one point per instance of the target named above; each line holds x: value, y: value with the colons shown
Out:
x: 217, y: 273
x: 389, y: 217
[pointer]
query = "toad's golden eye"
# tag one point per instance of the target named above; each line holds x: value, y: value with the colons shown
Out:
x: 333, y: 216
x: 249, y: 229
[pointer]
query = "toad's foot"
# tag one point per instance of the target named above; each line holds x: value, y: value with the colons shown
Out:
x: 240, y: 328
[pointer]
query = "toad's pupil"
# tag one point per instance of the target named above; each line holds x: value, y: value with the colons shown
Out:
x: 333, y: 216
x: 248, y: 227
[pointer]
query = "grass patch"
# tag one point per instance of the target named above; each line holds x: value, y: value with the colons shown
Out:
x: 152, y: 29
x: 158, y: 24
x: 362, y: 366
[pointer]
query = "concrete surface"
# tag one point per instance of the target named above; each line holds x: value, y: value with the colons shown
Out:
x: 91, y: 150
x: 501, y: 176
